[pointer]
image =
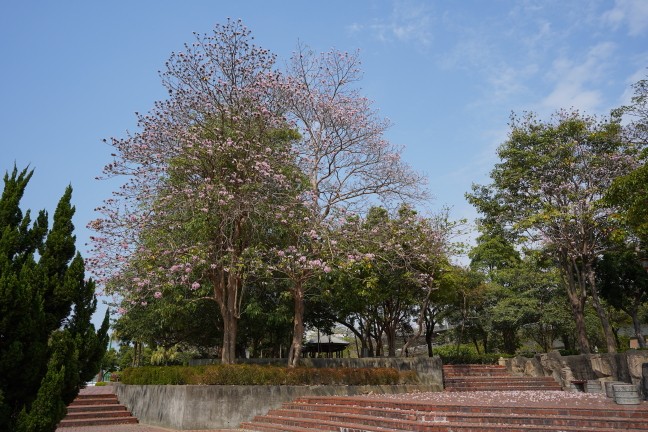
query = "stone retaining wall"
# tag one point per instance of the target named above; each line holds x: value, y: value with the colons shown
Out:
x: 624, y: 367
x: 221, y: 407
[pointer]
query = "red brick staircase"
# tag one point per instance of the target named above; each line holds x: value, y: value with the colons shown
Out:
x: 491, y: 377
x: 96, y: 409
x: 492, y: 401
x: 355, y: 414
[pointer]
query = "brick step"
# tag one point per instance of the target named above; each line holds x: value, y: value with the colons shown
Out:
x: 623, y: 411
x: 491, y: 389
x: 95, y: 408
x: 101, y: 409
x: 273, y: 427
x: 503, y: 384
x: 327, y: 412
x: 95, y: 401
x: 82, y: 396
x: 65, y: 423
x: 97, y: 414
x: 281, y: 423
x: 475, y: 374
x: 502, y: 379
x: 474, y: 369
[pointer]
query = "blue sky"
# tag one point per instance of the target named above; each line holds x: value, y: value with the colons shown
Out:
x: 447, y: 73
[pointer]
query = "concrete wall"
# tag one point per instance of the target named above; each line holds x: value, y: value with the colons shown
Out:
x: 223, y: 407
x: 624, y: 367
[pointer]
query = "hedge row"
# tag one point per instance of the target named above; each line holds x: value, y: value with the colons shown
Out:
x: 464, y: 354
x: 264, y: 375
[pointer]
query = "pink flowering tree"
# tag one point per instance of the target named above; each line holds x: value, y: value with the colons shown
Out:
x: 345, y: 158
x: 204, y: 174
x: 547, y: 190
x: 301, y: 260
x: 390, y: 273
x: 343, y: 151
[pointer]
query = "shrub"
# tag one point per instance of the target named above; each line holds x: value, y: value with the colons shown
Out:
x: 100, y: 384
x: 242, y: 374
x: 466, y: 354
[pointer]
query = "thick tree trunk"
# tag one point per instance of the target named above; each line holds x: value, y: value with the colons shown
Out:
x: 226, y: 294
x: 610, y: 340
x: 577, y: 296
x: 510, y: 340
x: 636, y: 323
x: 578, y: 312
x: 298, y: 325
x: 419, y: 323
x: 390, y: 332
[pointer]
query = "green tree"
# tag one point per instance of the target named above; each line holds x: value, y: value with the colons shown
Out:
x: 624, y: 284
x: 48, y: 347
x: 547, y: 188
x: 629, y: 193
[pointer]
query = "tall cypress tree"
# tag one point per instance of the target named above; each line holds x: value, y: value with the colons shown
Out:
x: 48, y: 346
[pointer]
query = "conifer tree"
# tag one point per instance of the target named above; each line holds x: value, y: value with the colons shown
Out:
x: 48, y: 346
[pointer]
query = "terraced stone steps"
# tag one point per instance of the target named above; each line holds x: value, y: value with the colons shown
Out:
x: 491, y: 377
x: 362, y: 414
x: 96, y: 410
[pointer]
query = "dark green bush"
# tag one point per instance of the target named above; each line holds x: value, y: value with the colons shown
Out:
x: 242, y: 374
x: 465, y: 354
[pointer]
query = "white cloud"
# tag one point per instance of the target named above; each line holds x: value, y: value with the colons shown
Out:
x: 626, y: 97
x: 409, y: 21
x: 630, y: 13
x: 572, y: 80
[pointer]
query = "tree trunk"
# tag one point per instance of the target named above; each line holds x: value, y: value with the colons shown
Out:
x: 578, y: 312
x: 510, y: 340
x: 419, y: 322
x: 230, y: 318
x: 610, y: 340
x: 390, y: 331
x: 577, y: 295
x: 226, y: 291
x: 298, y: 325
x: 636, y: 323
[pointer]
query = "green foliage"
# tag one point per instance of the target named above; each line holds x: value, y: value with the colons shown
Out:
x: 48, y: 345
x: 241, y: 374
x: 466, y: 354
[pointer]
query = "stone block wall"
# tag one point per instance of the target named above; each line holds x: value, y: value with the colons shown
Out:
x: 624, y: 367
